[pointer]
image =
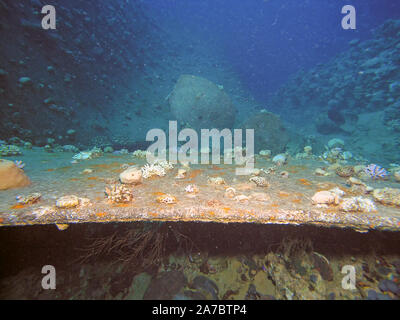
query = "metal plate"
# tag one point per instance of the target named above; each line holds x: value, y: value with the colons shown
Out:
x: 287, y: 200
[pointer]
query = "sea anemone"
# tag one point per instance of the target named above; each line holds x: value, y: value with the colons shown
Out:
x: 376, y: 172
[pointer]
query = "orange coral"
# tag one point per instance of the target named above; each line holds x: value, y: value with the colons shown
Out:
x: 101, y: 214
x: 283, y: 194
x: 159, y: 193
x: 122, y: 205
x: 304, y: 182
x: 18, y: 206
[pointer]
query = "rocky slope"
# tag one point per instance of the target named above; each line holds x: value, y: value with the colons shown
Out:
x: 355, y: 96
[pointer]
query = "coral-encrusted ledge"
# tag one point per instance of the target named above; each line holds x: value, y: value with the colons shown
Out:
x: 104, y: 214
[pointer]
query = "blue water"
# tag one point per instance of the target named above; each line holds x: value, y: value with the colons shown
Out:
x: 108, y: 70
x: 267, y: 41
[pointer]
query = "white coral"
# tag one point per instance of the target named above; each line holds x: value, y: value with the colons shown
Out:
x: 191, y: 188
x: 150, y: 170
x: 358, y: 204
x: 164, y: 164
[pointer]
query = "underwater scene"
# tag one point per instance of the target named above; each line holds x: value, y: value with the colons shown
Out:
x: 200, y: 150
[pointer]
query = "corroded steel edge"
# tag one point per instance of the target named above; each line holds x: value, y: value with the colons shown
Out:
x: 358, y: 222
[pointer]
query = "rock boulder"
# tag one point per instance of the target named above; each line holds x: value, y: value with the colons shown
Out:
x: 269, y: 132
x: 200, y: 104
x: 11, y: 176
